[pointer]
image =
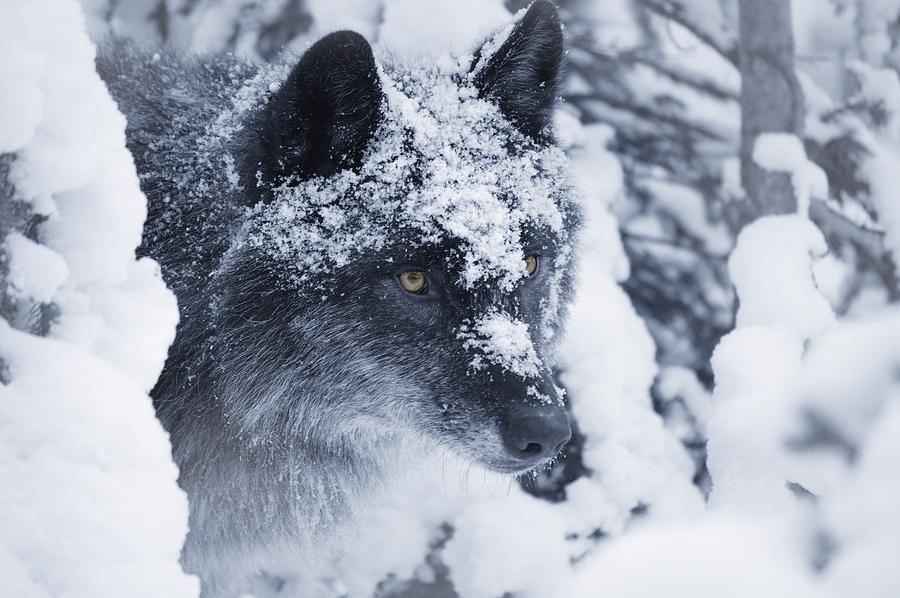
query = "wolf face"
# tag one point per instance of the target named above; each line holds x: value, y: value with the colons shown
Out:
x: 406, y: 261
x: 363, y: 253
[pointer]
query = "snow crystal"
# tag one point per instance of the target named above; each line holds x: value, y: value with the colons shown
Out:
x: 503, y: 341
x: 492, y: 45
x: 444, y: 165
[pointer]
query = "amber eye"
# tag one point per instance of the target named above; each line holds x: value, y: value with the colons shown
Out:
x: 531, y: 264
x: 414, y: 281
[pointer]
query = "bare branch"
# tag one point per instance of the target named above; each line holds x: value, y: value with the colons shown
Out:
x: 835, y: 224
x: 676, y: 73
x: 674, y: 11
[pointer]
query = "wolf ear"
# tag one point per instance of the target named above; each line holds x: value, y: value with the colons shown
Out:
x: 325, y: 113
x: 522, y: 76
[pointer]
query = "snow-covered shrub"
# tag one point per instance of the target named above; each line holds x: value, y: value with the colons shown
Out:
x: 89, y: 503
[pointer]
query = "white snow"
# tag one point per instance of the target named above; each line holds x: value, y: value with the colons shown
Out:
x: 688, y: 207
x: 90, y: 504
x: 462, y: 22
x: 852, y: 399
x: 862, y: 513
x: 771, y: 268
x: 506, y: 545
x: 504, y: 341
x: 607, y: 360
x: 880, y: 170
x: 781, y: 152
x: 873, y: 21
x: 35, y: 271
x: 710, y: 557
x: 680, y: 383
x: 755, y: 368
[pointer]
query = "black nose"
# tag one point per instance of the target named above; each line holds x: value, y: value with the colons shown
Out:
x: 535, y: 433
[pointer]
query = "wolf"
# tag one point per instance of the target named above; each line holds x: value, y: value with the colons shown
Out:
x: 369, y: 258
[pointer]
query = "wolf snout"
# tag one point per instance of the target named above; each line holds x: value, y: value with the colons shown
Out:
x: 533, y: 434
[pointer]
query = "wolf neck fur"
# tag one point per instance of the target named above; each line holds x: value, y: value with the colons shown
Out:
x: 288, y: 494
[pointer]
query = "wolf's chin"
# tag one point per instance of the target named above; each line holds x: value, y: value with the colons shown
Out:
x: 500, y: 465
x: 516, y: 468
x: 512, y: 470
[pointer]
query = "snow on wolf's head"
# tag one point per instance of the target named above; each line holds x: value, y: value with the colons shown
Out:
x: 409, y: 256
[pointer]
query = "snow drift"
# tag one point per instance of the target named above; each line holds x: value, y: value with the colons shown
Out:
x: 90, y: 506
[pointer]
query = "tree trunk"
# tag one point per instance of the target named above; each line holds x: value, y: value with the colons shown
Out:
x: 771, y: 98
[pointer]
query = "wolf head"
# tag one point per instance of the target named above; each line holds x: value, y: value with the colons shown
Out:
x: 406, y: 261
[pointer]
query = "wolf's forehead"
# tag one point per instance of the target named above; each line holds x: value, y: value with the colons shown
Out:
x: 444, y: 163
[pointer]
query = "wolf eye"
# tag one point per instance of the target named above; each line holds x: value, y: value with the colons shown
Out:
x: 531, y: 264
x: 414, y: 281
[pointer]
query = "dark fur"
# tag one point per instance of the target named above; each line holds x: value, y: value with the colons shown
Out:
x: 529, y: 60
x: 286, y: 408
x: 321, y: 122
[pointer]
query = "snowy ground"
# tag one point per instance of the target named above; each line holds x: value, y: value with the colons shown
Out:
x: 802, y: 426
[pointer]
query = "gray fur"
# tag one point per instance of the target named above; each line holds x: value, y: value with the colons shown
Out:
x: 287, y: 407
